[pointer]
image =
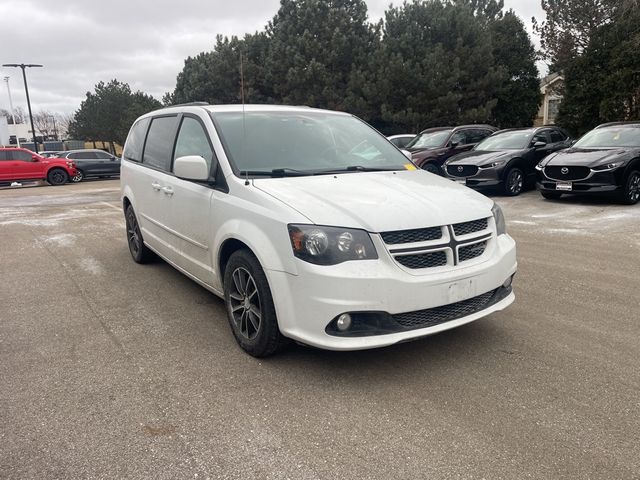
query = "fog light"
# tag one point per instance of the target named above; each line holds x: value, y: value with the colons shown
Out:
x: 508, y: 281
x: 344, y: 322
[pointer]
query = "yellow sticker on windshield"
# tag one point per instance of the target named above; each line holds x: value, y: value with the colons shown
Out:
x: 410, y: 166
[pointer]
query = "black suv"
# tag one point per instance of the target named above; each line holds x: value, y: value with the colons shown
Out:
x: 507, y: 159
x: 92, y: 163
x: 433, y: 146
x: 604, y: 161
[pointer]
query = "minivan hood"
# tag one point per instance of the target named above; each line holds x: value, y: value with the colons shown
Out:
x: 379, y: 201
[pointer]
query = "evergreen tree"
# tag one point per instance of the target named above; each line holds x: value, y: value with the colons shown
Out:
x: 519, y: 96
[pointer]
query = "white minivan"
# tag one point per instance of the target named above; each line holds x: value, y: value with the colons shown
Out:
x: 311, y: 225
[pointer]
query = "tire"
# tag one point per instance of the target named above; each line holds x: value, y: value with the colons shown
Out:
x: 139, y: 251
x: 513, y: 182
x: 78, y: 177
x: 431, y: 168
x: 250, y: 309
x: 551, y: 195
x: 57, y: 176
x: 630, y: 194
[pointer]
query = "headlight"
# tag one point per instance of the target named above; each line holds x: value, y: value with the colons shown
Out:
x: 608, y: 166
x: 498, y: 216
x: 70, y: 164
x: 492, y: 165
x: 330, y: 245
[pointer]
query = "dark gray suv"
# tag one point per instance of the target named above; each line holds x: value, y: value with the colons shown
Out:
x: 93, y: 163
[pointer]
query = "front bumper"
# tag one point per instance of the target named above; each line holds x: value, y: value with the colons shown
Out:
x: 306, y: 303
x: 485, y: 177
x: 597, y: 183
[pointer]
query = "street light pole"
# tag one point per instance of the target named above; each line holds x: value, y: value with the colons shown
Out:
x: 13, y: 115
x: 24, y: 66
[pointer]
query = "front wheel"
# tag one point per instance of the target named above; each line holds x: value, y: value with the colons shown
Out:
x: 431, y: 168
x: 250, y: 308
x: 514, y: 182
x: 78, y: 177
x: 630, y: 194
x: 57, y: 176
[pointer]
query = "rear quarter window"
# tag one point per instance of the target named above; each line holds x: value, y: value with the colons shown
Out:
x: 135, y: 141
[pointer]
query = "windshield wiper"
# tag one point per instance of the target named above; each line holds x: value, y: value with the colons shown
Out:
x: 276, y: 172
x: 360, y: 168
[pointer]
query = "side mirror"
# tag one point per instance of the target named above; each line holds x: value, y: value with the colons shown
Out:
x: 191, y: 167
x: 35, y: 158
x: 572, y: 143
x: 539, y: 144
x: 406, y: 153
x: 454, y: 144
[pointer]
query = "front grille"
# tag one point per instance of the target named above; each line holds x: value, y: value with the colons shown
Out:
x: 572, y: 173
x: 469, y: 252
x: 411, y: 236
x: 423, y: 260
x: 462, y: 170
x: 437, y: 315
x: 470, y: 227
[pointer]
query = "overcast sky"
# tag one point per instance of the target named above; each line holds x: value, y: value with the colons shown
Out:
x: 81, y: 42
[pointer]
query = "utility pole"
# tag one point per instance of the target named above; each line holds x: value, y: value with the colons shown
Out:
x: 13, y: 115
x: 24, y: 66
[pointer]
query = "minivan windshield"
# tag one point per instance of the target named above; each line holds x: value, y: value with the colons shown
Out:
x: 430, y: 139
x: 303, y: 143
x: 514, y: 140
x: 611, y: 137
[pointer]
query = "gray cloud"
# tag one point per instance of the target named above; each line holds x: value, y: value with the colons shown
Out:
x: 81, y: 42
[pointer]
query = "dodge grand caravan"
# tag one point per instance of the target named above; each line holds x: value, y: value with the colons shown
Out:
x: 312, y: 226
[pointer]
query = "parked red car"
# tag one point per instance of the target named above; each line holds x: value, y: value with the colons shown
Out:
x: 17, y: 164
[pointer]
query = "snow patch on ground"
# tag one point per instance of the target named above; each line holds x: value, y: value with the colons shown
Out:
x: 91, y: 265
x: 60, y: 240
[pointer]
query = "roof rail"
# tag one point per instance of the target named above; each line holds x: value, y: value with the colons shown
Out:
x: 612, y: 124
x: 189, y: 104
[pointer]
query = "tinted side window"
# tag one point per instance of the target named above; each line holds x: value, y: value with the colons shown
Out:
x: 74, y: 156
x: 477, y: 135
x: 102, y: 155
x: 193, y: 140
x: 135, y: 141
x: 540, y: 137
x: 557, y: 136
x: 159, y: 145
x: 20, y: 155
x: 4, y: 155
x: 459, y: 137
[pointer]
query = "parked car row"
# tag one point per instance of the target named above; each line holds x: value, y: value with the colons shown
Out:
x: 57, y: 168
x: 604, y: 161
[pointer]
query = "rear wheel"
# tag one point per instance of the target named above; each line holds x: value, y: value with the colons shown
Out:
x: 513, y: 182
x: 630, y: 194
x: 551, y: 195
x: 250, y: 308
x: 139, y: 251
x: 78, y: 177
x: 57, y: 176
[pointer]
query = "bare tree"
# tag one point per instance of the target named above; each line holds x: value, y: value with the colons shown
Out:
x: 62, y: 123
x: 18, y: 113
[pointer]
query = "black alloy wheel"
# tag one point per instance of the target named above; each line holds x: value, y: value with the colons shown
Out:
x: 57, y: 176
x: 250, y: 309
x: 139, y: 251
x: 631, y: 191
x: 78, y: 177
x: 514, y: 182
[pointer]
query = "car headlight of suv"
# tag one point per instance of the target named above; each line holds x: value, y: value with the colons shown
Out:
x: 492, y: 165
x: 608, y: 166
x: 498, y: 216
x: 330, y: 245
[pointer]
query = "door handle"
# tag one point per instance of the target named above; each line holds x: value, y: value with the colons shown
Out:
x: 167, y: 191
x: 156, y: 186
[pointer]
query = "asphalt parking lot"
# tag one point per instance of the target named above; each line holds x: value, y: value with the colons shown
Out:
x: 111, y: 369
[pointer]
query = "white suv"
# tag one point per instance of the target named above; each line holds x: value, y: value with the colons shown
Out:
x: 312, y: 226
